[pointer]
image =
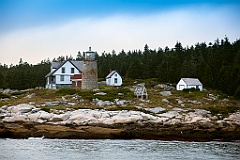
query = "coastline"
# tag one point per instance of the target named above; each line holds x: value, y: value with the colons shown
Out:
x: 171, y: 115
x: 148, y: 131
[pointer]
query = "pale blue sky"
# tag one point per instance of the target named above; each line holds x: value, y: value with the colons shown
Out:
x: 37, y: 29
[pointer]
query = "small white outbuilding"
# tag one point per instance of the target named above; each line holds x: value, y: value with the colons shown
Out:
x: 188, y: 83
x: 114, y: 79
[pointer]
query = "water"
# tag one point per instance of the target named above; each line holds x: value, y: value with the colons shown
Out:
x: 67, y: 149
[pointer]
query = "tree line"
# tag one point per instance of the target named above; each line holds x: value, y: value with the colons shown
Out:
x: 216, y: 64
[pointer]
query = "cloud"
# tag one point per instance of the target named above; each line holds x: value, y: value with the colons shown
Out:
x: 120, y: 31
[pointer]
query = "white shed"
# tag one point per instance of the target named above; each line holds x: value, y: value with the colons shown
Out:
x: 188, y: 83
x: 114, y: 79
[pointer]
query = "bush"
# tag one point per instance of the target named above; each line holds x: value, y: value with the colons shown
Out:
x: 2, y: 95
x: 86, y: 94
x: 66, y: 91
x: 191, y: 89
x: 18, y: 93
x: 224, y: 111
x: 237, y: 93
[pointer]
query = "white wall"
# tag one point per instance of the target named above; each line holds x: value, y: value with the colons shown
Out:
x: 110, y: 81
x: 67, y: 74
x: 182, y: 85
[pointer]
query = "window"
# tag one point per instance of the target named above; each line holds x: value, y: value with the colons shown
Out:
x: 115, y: 80
x: 115, y: 75
x: 62, y: 78
x: 72, y: 70
x: 63, y: 69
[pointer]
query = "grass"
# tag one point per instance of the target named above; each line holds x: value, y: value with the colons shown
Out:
x: 111, y: 93
x: 66, y: 91
x: 222, y: 111
x: 18, y: 93
x: 217, y: 107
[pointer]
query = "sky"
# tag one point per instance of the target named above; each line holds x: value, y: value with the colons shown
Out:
x: 34, y: 30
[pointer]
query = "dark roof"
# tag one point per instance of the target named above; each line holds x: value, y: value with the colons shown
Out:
x: 57, y: 65
x: 111, y: 73
x: 78, y: 65
x: 192, y: 81
x: 77, y: 76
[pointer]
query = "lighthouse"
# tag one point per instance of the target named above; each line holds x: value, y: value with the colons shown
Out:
x: 89, y: 71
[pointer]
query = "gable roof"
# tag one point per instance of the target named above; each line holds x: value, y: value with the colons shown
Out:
x: 112, y: 73
x: 57, y: 65
x: 192, y: 81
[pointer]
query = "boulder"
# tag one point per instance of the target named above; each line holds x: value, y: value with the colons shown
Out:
x: 30, y: 95
x: 178, y: 109
x: 61, y: 117
x: 15, y: 118
x: 161, y: 120
x: 147, y: 117
x: 173, y: 121
x: 6, y: 91
x: 100, y: 94
x: 202, y: 112
x: 169, y: 114
x: 4, y: 107
x: 233, y: 118
x: 199, y: 119
x: 34, y: 117
x: 165, y: 100
x: 49, y: 104
x: 121, y: 102
x: 130, y: 119
x: 194, y: 102
x: 22, y: 108
x: 166, y: 93
x: 5, y: 99
x: 120, y: 94
x: 45, y: 115
x: 71, y: 104
x: 155, y: 110
x: 34, y: 110
x: 3, y: 110
x: 101, y: 103
x: 179, y: 101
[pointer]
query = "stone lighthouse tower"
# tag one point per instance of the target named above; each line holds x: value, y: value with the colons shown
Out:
x: 89, y: 71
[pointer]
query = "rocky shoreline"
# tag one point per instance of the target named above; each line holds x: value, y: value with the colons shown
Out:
x: 25, y: 120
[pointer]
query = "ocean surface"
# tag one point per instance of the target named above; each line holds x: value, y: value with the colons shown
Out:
x: 68, y: 149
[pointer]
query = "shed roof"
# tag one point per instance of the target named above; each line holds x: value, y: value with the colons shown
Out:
x: 192, y: 81
x: 77, y: 76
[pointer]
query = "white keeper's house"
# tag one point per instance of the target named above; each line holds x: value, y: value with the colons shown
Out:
x: 61, y: 73
x: 114, y: 79
x: 188, y: 83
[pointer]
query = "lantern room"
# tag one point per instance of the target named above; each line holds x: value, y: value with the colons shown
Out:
x: 89, y: 55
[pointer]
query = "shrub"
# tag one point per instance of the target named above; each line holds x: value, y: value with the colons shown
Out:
x: 237, y: 93
x: 18, y: 93
x: 224, y: 111
x: 66, y: 91
x: 46, y: 108
x: 190, y: 89
x: 2, y: 95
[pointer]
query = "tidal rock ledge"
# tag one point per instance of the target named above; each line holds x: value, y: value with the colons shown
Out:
x: 24, y: 120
